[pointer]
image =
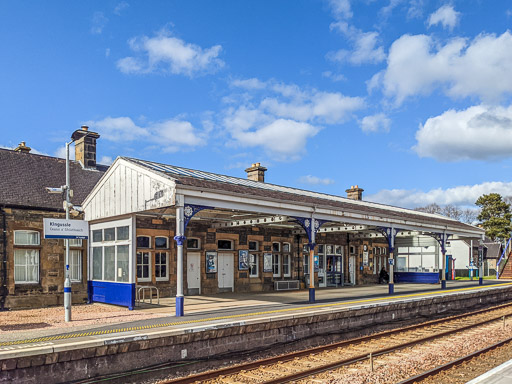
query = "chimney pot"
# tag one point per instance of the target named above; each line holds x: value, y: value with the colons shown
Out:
x: 22, y: 147
x: 85, y: 146
x: 355, y: 193
x: 256, y: 172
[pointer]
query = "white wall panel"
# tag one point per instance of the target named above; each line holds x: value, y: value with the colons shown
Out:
x: 127, y: 188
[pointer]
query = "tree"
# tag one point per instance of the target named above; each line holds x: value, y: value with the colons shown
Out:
x: 467, y: 215
x: 431, y: 208
x: 495, y: 216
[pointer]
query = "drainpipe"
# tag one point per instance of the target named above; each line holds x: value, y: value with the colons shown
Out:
x: 3, y: 288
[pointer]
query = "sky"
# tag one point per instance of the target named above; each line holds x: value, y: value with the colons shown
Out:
x: 409, y: 99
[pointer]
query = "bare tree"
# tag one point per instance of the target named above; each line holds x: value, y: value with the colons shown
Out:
x: 431, y: 208
x: 452, y: 212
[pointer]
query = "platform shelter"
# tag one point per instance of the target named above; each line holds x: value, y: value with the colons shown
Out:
x: 185, y: 231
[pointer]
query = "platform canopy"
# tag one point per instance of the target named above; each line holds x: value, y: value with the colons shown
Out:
x: 136, y: 186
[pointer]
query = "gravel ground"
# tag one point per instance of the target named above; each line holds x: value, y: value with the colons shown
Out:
x: 411, y: 361
x: 31, y: 323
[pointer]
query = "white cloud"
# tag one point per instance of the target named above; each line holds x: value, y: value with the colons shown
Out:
x: 61, y: 152
x: 119, y: 8
x: 314, y: 180
x: 280, y: 118
x: 172, y: 134
x: 99, y: 21
x: 479, y: 132
x: 446, y: 16
x: 106, y: 160
x: 464, y: 195
x: 284, y: 138
x: 417, y: 65
x: 168, y: 54
x: 365, y: 46
x: 375, y: 123
x: 333, y: 76
x: 341, y: 9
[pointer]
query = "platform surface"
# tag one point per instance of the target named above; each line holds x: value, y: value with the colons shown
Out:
x: 226, y: 309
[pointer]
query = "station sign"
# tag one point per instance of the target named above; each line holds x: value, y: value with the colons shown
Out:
x: 65, y: 229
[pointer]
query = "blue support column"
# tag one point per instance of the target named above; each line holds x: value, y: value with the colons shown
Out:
x: 184, y: 214
x: 311, y: 226
x: 390, y: 234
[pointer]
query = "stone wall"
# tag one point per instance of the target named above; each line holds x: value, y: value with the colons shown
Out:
x: 50, y: 288
x: 121, y: 353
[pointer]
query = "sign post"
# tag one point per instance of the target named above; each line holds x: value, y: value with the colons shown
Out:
x: 66, y: 229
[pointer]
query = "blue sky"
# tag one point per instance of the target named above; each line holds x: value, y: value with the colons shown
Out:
x: 409, y: 99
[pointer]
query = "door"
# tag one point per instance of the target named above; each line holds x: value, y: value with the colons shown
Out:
x: 352, y: 269
x: 226, y: 271
x: 194, y: 273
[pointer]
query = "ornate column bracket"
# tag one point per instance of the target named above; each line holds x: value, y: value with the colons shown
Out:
x: 310, y: 227
x: 180, y: 240
x: 189, y: 211
x: 390, y: 234
x: 441, y: 238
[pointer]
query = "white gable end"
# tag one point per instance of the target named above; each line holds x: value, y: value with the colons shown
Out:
x: 128, y: 188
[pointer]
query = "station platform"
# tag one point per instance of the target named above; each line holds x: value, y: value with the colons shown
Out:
x: 236, y: 307
x: 245, y: 318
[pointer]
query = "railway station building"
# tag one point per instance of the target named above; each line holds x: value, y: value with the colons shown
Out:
x: 187, y: 232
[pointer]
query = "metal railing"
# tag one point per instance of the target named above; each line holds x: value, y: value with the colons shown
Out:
x: 503, y: 258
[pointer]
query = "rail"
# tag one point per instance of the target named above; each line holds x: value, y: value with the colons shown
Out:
x: 499, y: 268
x: 143, y: 289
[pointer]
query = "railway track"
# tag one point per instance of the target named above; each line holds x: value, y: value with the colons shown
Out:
x: 302, y: 365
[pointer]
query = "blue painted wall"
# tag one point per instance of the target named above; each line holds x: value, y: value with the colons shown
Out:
x: 417, y: 277
x: 112, y: 293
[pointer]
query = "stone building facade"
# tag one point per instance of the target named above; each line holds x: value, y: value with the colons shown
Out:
x: 33, y: 272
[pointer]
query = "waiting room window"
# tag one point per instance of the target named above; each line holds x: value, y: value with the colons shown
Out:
x: 143, y: 266
x: 276, y: 264
x: 110, y: 253
x: 253, y: 246
x: 75, y: 242
x: 253, y: 265
x: 26, y: 261
x: 306, y: 264
x: 161, y: 242
x: 226, y: 245
x: 161, y: 266
x: 286, y: 247
x: 193, y: 243
x: 276, y: 247
x: 143, y: 242
x: 352, y: 250
x: 286, y: 265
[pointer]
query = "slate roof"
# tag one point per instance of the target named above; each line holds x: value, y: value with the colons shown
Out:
x: 24, y: 176
x: 216, y: 182
x: 494, y: 250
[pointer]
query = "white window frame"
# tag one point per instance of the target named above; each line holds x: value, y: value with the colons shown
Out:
x: 129, y: 222
x: 136, y: 241
x: 256, y: 264
x: 278, y: 255
x: 27, y: 231
x: 142, y: 251
x: 305, y: 265
x: 225, y: 249
x: 289, y: 247
x: 166, y: 277
x: 75, y: 268
x: 26, y: 266
x: 288, y: 258
x: 278, y: 246
x: 75, y: 242
x: 352, y: 250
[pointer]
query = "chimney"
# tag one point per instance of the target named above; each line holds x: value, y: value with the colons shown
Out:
x: 256, y: 172
x: 355, y: 193
x: 22, y: 148
x: 85, y: 146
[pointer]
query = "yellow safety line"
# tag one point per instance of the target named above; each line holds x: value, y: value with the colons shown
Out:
x: 243, y: 315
